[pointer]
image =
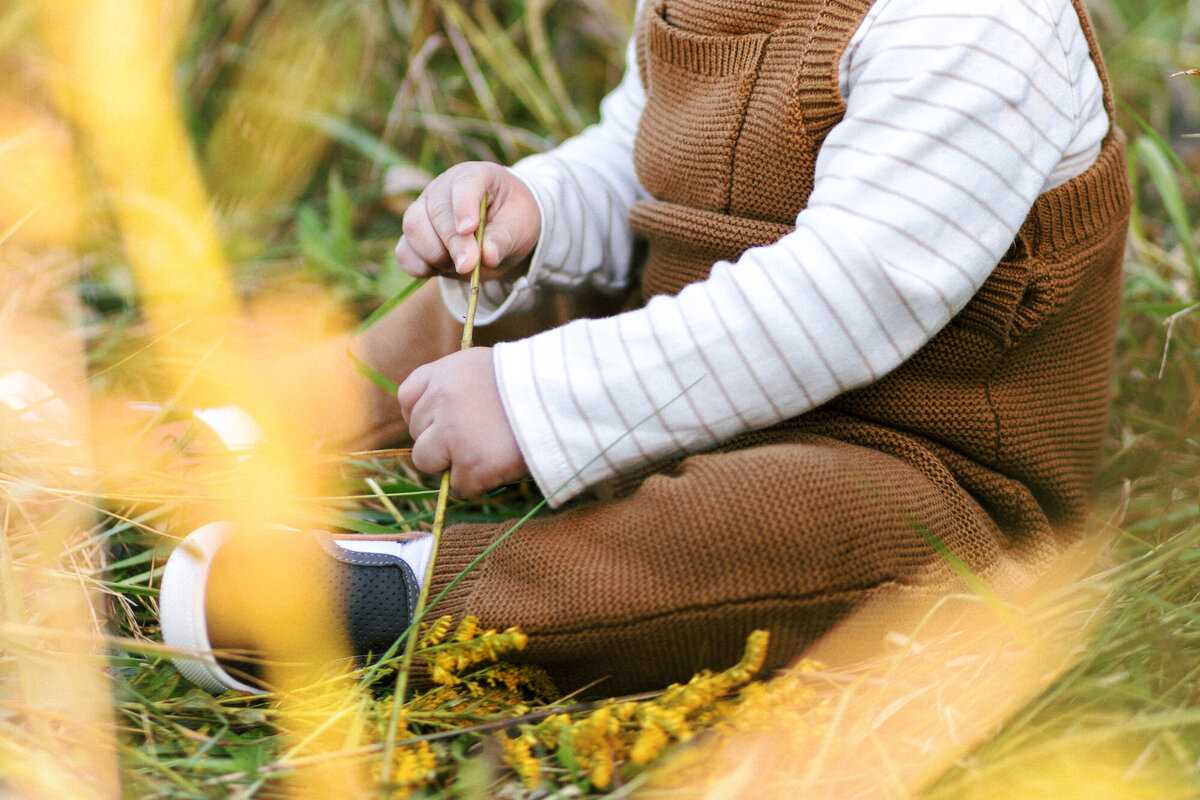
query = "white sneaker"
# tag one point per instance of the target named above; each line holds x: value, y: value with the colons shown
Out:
x: 375, y: 585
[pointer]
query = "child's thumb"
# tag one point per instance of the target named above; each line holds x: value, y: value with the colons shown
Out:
x: 511, y: 232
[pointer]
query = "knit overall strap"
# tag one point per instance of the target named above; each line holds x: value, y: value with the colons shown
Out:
x: 1089, y: 34
x: 1086, y: 206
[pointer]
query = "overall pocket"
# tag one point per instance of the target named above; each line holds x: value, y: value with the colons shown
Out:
x: 1019, y: 295
x: 697, y: 88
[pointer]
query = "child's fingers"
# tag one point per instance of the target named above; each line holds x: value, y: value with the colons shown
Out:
x: 440, y: 226
x: 511, y: 233
x: 411, y: 262
x: 446, y: 222
x: 437, y: 234
x: 466, y: 195
x: 410, y: 393
x: 430, y: 452
x: 467, y: 192
x: 457, y: 421
x: 465, y: 485
x: 421, y: 251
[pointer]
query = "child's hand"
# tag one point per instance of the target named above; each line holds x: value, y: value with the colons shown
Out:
x: 456, y: 419
x: 439, y: 227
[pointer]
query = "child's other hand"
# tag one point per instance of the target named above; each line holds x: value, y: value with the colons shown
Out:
x: 456, y: 419
x: 439, y: 227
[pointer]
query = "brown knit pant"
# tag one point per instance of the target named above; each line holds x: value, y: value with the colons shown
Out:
x: 669, y: 574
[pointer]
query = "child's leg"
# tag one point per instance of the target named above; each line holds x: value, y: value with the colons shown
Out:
x: 645, y: 590
x: 789, y: 534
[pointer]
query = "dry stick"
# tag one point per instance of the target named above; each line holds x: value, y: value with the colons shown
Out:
x: 439, y: 520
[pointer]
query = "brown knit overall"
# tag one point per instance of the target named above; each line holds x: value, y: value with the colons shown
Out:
x: 984, y: 444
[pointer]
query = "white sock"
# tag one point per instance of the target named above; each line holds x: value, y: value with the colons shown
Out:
x: 415, y: 552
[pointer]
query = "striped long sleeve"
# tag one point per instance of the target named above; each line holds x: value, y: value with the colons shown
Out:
x: 957, y: 117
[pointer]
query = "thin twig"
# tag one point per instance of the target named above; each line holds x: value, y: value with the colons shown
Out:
x: 388, y: 504
x: 439, y: 520
x: 1171, y: 320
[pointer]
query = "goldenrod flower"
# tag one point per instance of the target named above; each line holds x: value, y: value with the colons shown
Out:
x: 412, y: 767
x: 649, y: 744
x: 518, y: 752
x: 466, y: 629
x: 447, y: 660
x: 435, y: 632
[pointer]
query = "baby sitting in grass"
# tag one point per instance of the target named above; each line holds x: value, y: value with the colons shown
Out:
x: 843, y: 279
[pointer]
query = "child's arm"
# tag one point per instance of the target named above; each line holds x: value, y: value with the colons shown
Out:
x: 544, y: 200
x: 955, y: 121
x: 957, y: 117
x: 453, y: 410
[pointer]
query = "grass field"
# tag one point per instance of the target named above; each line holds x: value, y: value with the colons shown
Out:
x: 252, y: 157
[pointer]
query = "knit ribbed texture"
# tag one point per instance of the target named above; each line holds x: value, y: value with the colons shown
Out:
x: 984, y: 444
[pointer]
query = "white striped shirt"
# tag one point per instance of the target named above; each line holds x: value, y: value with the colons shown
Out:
x: 957, y: 116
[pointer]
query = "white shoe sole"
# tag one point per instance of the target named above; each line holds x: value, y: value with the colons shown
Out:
x: 181, y: 610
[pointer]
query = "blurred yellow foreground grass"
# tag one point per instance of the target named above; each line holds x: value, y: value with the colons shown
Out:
x: 99, y: 93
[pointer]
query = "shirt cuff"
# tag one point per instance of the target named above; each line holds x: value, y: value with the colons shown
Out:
x: 548, y: 464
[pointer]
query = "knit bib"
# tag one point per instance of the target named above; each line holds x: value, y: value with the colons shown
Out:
x: 739, y: 98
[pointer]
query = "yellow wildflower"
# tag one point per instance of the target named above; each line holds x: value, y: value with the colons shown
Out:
x: 625, y: 711
x: 597, y: 745
x: 412, y: 767
x: 446, y: 660
x: 602, y: 769
x: 549, y: 729
x: 752, y: 660
x: 442, y: 670
x: 518, y: 752
x: 670, y: 720
x: 466, y: 629
x: 435, y: 632
x: 650, y: 742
